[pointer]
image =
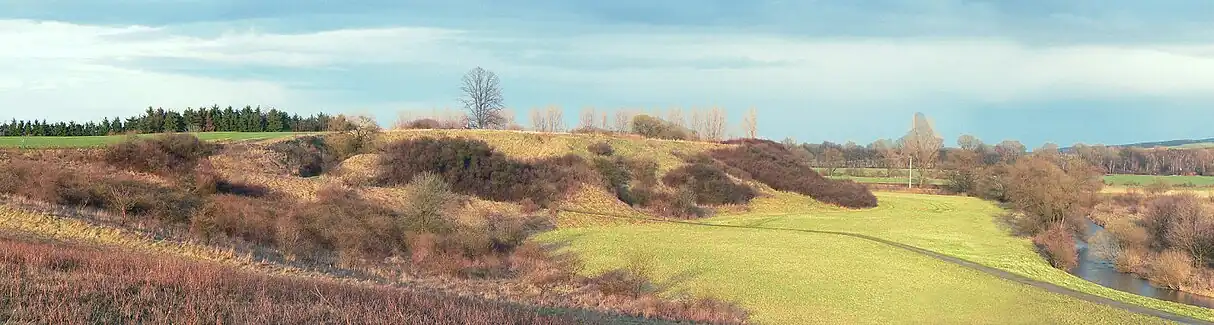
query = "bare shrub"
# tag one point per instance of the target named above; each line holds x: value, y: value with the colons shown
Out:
x: 472, y: 167
x: 61, y: 284
x: 1049, y: 195
x: 430, y: 199
x: 1159, y: 186
x: 1171, y: 268
x: 168, y: 153
x: 710, y: 184
x: 773, y: 164
x: 1057, y: 244
x: 601, y: 149
x: 1182, y: 222
x: 652, y: 127
x: 308, y: 156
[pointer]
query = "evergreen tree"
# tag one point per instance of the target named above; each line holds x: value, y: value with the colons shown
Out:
x: 171, y: 123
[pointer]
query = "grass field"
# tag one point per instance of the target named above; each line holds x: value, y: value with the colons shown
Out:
x: 791, y: 278
x: 886, y: 180
x: 97, y: 141
x: 1141, y: 180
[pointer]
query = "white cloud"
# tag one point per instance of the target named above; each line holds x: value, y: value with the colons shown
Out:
x: 66, y: 66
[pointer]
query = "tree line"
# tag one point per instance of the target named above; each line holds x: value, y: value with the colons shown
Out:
x: 160, y: 120
x: 891, y: 154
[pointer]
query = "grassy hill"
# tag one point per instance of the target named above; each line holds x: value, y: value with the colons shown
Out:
x: 778, y: 277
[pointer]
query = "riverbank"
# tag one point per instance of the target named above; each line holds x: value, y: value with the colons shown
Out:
x: 1136, y: 235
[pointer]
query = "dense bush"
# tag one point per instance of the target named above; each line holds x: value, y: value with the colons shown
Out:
x: 472, y: 167
x: 601, y: 149
x: 652, y: 127
x: 307, y: 156
x: 1172, y: 268
x: 1181, y: 222
x: 710, y: 184
x: 167, y: 154
x: 430, y: 200
x: 1058, y: 245
x: 771, y: 163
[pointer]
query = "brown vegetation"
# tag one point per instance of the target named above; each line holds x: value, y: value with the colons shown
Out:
x: 343, y: 228
x: 710, y: 184
x: 1058, y: 245
x: 773, y: 164
x: 472, y: 167
x: 652, y: 127
x: 45, y: 283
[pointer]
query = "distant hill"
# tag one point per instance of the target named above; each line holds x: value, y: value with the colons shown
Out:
x: 1185, y: 143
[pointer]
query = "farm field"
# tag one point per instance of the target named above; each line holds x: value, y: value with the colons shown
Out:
x: 794, y: 277
x: 98, y: 141
x: 886, y: 180
x: 1142, y: 180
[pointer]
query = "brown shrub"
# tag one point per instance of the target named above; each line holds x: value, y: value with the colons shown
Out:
x: 236, y: 216
x: 1182, y: 222
x: 1057, y: 244
x: 1171, y: 268
x: 1159, y: 186
x: 709, y: 183
x: 69, y: 285
x: 1133, y: 260
x: 472, y: 167
x: 601, y: 149
x: 773, y: 164
x: 175, y: 154
x: 652, y: 127
x: 1049, y: 195
x: 307, y: 156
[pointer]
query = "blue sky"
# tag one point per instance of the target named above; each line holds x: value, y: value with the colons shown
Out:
x: 1062, y: 71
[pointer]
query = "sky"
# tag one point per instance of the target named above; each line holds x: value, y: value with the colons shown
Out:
x: 1091, y: 71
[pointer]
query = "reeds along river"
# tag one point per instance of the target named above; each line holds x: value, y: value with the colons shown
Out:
x: 1101, y: 271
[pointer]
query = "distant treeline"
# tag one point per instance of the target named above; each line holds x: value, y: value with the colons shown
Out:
x: 213, y: 119
x: 1111, y: 159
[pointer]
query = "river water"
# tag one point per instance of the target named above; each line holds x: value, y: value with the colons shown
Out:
x: 1101, y: 271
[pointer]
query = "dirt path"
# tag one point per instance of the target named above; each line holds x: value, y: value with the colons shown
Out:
x: 957, y: 261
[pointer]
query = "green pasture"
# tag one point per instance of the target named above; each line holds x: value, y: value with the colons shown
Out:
x: 1143, y: 180
x: 787, y: 277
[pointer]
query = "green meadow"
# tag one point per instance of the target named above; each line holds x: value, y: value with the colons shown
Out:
x: 787, y: 277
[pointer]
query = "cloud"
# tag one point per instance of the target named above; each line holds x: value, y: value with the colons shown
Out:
x: 72, y: 66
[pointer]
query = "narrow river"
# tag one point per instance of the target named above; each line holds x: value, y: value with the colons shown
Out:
x: 1095, y: 269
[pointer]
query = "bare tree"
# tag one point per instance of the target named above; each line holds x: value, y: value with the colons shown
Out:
x: 675, y: 116
x: 713, y: 124
x: 969, y: 142
x: 482, y: 98
x: 603, y: 124
x: 890, y: 152
x: 623, y: 120
x: 548, y: 119
x: 922, y: 144
x: 587, y: 118
x: 750, y: 124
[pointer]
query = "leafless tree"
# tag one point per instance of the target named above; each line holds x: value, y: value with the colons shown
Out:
x: 750, y: 124
x: 969, y: 142
x: 623, y: 120
x: 548, y: 119
x: 675, y: 116
x: 587, y: 118
x: 713, y: 124
x: 482, y: 98
x: 603, y: 124
x: 922, y: 144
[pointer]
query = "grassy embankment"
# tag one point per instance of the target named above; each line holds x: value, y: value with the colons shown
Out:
x: 98, y: 141
x: 789, y: 277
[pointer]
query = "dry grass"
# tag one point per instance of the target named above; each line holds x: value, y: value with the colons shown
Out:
x: 534, y: 145
x: 55, y: 284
